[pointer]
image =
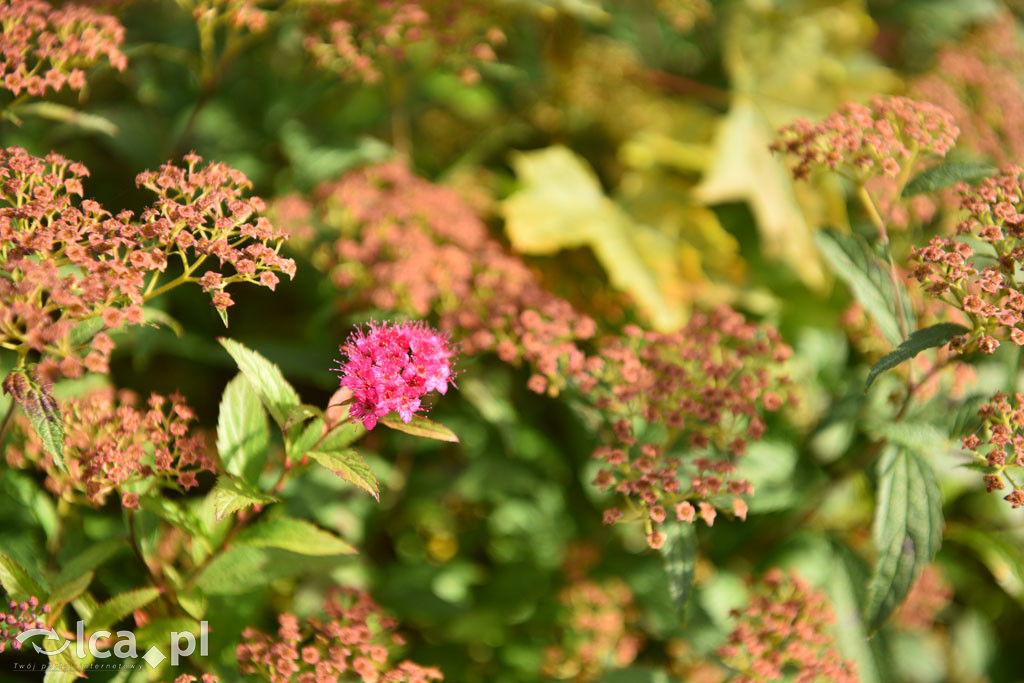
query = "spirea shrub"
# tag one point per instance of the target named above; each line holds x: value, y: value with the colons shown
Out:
x: 451, y: 436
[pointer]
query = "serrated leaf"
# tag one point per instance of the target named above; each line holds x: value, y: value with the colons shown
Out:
x: 231, y: 495
x: 420, y: 426
x: 16, y: 580
x: 679, y: 554
x: 120, y: 606
x: 928, y: 338
x: 42, y: 410
x: 296, y: 535
x: 175, y: 513
x: 241, y: 569
x: 946, y: 175
x: 350, y: 466
x: 907, y: 530
x: 984, y: 468
x: 65, y: 592
x: 242, y: 431
x: 273, y: 389
x: 84, y: 330
x: 853, y: 263
x: 966, y: 420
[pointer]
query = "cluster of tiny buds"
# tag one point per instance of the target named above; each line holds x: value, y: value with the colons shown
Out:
x: 118, y: 261
x: 1000, y: 449
x: 111, y: 442
x: 599, y: 630
x: 887, y: 137
x: 47, y: 48
x: 357, y: 39
x: 401, y: 243
x: 352, y: 644
x: 391, y: 367
x: 19, y: 617
x: 784, y: 630
x: 706, y: 386
x: 989, y: 296
x: 189, y: 678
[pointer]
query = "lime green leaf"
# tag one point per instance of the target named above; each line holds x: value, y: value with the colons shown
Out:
x: 120, y: 606
x: 946, y: 175
x: 233, y: 571
x: 679, y: 554
x: 561, y: 205
x: 276, y: 393
x: 16, y: 580
x: 928, y: 338
x: 907, y: 530
x: 350, y: 466
x: 42, y: 410
x: 920, y: 436
x: 63, y: 593
x: 852, y: 261
x: 296, y: 535
x: 175, y: 513
x: 231, y: 495
x: 64, y: 114
x: 420, y: 426
x: 242, y: 432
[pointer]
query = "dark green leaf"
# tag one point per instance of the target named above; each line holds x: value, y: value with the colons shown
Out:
x: 907, y: 530
x: 420, y: 426
x: 350, y: 466
x: 966, y: 420
x: 242, y: 431
x: 276, y: 393
x: 946, y: 175
x: 300, y: 414
x: 90, y: 558
x: 928, y: 338
x: 296, y: 535
x: 42, y: 410
x: 679, y: 553
x: 854, y: 263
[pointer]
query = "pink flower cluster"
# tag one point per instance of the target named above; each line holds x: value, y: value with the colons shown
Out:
x: 930, y: 595
x: 989, y: 296
x: 1000, y: 448
x: 598, y: 620
x: 886, y: 138
x: 45, y: 48
x: 359, y: 39
x: 21, y: 616
x: 72, y: 268
x: 783, y: 631
x: 112, y: 442
x: 980, y: 81
x: 353, y: 644
x: 401, y: 243
x: 704, y: 387
x: 391, y: 367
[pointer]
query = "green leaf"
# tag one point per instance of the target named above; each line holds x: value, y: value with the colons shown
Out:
x: 90, y: 558
x: 679, y: 554
x: 300, y: 414
x: 175, y: 513
x: 241, y: 569
x: 296, y: 535
x: 350, y: 466
x: 276, y: 393
x: 63, y: 593
x: 120, y: 606
x: 42, y: 410
x: 928, y: 338
x: 907, y: 530
x: 966, y: 420
x: 920, y: 436
x: 946, y: 175
x: 73, y: 117
x: 157, y: 318
x: 16, y: 580
x: 419, y: 426
x: 84, y: 330
x: 231, y: 495
x: 242, y: 431
x: 854, y: 264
